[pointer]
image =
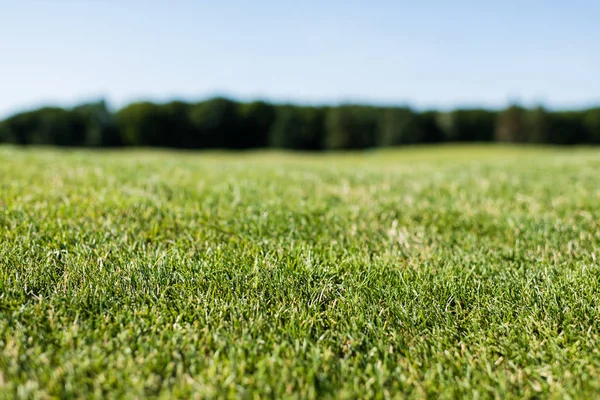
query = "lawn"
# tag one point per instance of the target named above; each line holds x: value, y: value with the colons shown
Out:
x: 427, y: 272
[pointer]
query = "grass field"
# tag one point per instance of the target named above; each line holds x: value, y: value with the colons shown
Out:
x: 427, y: 273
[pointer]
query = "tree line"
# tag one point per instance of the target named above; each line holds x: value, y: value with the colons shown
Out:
x: 221, y: 123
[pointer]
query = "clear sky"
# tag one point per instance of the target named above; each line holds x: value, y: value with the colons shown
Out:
x: 427, y: 53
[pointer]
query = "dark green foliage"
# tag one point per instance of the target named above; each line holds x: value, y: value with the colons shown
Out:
x: 256, y: 121
x: 300, y: 128
x: 591, y: 123
x: 226, y: 124
x: 217, y: 124
x: 10, y: 132
x: 537, y: 125
x: 4, y: 133
x: 402, y: 126
x: 468, y: 125
x: 352, y: 127
x: 397, y: 127
x: 140, y: 125
x: 46, y: 126
x: 566, y: 128
x: 517, y: 124
x: 101, y: 125
x: 511, y: 125
x: 57, y: 126
x: 429, y: 127
x: 86, y: 125
x: 175, y: 116
x: 163, y: 125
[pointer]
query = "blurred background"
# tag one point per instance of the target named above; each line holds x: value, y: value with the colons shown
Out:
x: 305, y: 75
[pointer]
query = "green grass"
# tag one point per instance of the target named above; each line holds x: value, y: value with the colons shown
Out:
x: 425, y: 273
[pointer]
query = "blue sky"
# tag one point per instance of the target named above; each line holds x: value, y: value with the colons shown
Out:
x: 426, y: 53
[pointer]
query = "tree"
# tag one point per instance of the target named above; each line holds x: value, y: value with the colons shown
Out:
x: 175, y: 116
x: 511, y: 125
x: 566, y: 128
x: 429, y: 128
x: 6, y: 134
x: 474, y: 125
x: 396, y: 127
x: 140, y: 125
x: 591, y: 123
x: 537, y: 125
x: 351, y: 127
x: 101, y: 125
x: 46, y: 126
x: 216, y: 124
x: 299, y: 128
x: 400, y: 126
x: 256, y: 121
